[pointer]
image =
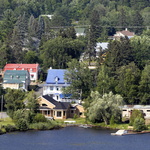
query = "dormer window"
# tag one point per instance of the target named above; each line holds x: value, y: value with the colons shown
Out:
x: 56, y: 79
x: 17, y: 77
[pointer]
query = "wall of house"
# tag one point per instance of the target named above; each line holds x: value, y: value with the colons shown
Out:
x: 53, y: 90
x: 11, y: 86
x: 43, y: 101
x: 127, y: 112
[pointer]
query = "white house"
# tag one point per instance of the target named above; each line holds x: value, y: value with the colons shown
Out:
x: 55, y: 83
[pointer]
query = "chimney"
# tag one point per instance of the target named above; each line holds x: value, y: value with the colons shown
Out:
x: 126, y: 29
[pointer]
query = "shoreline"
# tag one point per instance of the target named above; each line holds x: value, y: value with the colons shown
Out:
x: 129, y: 132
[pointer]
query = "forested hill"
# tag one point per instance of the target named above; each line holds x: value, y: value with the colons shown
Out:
x: 24, y: 29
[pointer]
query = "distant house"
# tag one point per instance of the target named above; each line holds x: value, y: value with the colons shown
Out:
x: 59, y: 110
x: 16, y: 79
x: 55, y: 83
x: 127, y: 110
x: 123, y: 33
x: 33, y: 69
x: 80, y: 31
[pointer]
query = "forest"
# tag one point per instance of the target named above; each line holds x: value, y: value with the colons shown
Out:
x: 28, y: 35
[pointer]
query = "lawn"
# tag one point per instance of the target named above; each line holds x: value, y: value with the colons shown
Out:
x: 6, y: 121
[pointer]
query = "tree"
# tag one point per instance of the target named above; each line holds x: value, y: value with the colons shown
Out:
x: 135, y: 114
x: 141, y: 50
x: 59, y: 51
x: 144, y: 86
x: 31, y: 57
x: 119, y: 54
x: 104, y: 107
x: 80, y: 78
x: 137, y: 21
x: 32, y: 102
x: 105, y: 83
x: 139, y: 124
x: 14, y: 101
x: 93, y: 34
x: 127, y: 86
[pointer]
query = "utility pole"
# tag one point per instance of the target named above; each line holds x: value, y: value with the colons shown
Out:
x: 1, y: 106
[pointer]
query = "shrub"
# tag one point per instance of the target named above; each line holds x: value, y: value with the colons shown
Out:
x: 9, y: 128
x: 40, y: 118
x: 22, y: 124
x: 43, y: 125
x: 139, y: 124
x: 135, y: 114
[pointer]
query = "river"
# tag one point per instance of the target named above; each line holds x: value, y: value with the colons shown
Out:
x: 73, y: 138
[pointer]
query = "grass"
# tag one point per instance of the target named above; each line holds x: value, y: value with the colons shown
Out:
x: 6, y: 121
x: 84, y: 121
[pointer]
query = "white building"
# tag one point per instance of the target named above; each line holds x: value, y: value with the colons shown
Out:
x: 55, y: 83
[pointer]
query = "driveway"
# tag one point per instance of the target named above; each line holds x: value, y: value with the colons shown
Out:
x: 39, y: 89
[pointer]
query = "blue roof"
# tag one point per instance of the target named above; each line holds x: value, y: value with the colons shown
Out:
x: 55, y: 76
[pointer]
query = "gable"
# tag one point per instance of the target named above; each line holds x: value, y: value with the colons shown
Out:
x: 53, y: 103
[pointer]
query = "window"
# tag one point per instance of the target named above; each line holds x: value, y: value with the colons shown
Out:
x: 64, y: 113
x: 57, y: 97
x: 72, y: 111
x: 32, y: 76
x: 44, y: 104
x: 51, y: 88
x: 124, y: 110
x: 80, y: 113
x: 57, y: 88
x: 58, y: 113
x: 148, y: 110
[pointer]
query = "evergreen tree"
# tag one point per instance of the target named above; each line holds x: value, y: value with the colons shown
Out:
x: 144, y: 86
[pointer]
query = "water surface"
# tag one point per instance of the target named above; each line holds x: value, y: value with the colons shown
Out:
x: 73, y: 138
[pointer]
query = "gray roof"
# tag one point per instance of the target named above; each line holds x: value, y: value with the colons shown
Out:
x: 58, y: 105
x: 136, y: 107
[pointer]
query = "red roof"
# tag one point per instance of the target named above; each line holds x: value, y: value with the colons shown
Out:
x: 126, y: 33
x: 21, y: 67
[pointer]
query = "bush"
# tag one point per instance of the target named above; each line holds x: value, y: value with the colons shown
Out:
x: 43, y: 125
x: 135, y: 114
x: 40, y: 118
x: 139, y: 124
x: 10, y: 128
x: 22, y: 124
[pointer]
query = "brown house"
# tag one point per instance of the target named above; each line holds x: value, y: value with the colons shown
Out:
x: 59, y: 110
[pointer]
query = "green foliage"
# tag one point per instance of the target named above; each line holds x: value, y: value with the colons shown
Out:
x: 127, y: 86
x: 104, y: 107
x: 9, y: 128
x: 14, y: 100
x: 22, y: 124
x: 135, y: 114
x: 81, y: 79
x: 144, y: 86
x: 39, y: 118
x: 43, y: 125
x: 139, y: 124
x: 59, y: 51
x: 32, y: 102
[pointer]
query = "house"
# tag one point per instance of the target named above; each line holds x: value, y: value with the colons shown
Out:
x: 127, y: 110
x: 55, y: 82
x: 16, y: 79
x: 123, y: 33
x: 80, y: 31
x: 59, y: 110
x: 33, y: 69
